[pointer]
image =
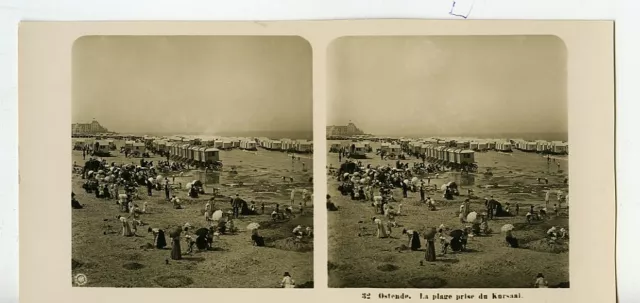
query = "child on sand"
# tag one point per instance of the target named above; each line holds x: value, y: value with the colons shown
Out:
x: 444, y: 244
x: 540, y: 282
x: 190, y: 243
x: 287, y: 281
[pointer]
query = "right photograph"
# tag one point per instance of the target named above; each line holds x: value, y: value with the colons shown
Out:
x: 447, y: 162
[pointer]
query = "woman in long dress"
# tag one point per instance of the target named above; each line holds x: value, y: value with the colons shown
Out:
x: 176, y: 251
x: 430, y: 254
x: 414, y: 239
x: 382, y: 230
x: 126, y: 227
x: 158, y: 238
x: 207, y: 212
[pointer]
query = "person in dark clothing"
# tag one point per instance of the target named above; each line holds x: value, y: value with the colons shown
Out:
x: 235, y: 203
x: 330, y: 205
x: 149, y: 187
x: 74, y: 203
x: 404, y: 190
x: 511, y: 240
x: 262, y: 208
x: 490, y: 210
x: 202, y: 242
x: 167, y: 191
x: 158, y: 237
x: 421, y: 193
x: 256, y: 238
x: 222, y: 227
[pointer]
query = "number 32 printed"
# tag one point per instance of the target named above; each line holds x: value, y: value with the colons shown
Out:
x: 366, y: 295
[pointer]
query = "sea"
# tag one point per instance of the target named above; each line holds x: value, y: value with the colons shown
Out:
x: 296, y: 135
x: 549, y: 136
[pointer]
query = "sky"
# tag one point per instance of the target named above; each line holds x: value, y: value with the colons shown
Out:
x: 448, y: 85
x: 193, y: 85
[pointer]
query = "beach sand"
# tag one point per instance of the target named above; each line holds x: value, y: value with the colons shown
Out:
x: 234, y: 263
x: 366, y: 261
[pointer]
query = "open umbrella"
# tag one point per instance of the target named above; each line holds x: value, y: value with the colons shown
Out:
x: 456, y: 233
x: 253, y: 226
x: 217, y: 215
x: 202, y: 232
x: 507, y: 227
x: 472, y: 216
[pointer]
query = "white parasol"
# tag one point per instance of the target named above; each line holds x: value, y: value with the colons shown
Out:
x: 472, y: 216
x: 217, y: 215
x: 507, y: 227
x: 253, y: 226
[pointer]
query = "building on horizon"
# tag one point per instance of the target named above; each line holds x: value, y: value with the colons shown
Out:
x: 344, y: 130
x: 93, y: 127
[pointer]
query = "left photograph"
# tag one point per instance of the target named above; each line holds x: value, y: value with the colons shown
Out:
x: 192, y: 162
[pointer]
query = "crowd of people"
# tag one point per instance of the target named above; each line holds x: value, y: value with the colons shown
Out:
x: 120, y: 182
x: 376, y: 184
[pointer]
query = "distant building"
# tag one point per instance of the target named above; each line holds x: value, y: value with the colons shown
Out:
x: 88, y: 128
x: 348, y: 130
